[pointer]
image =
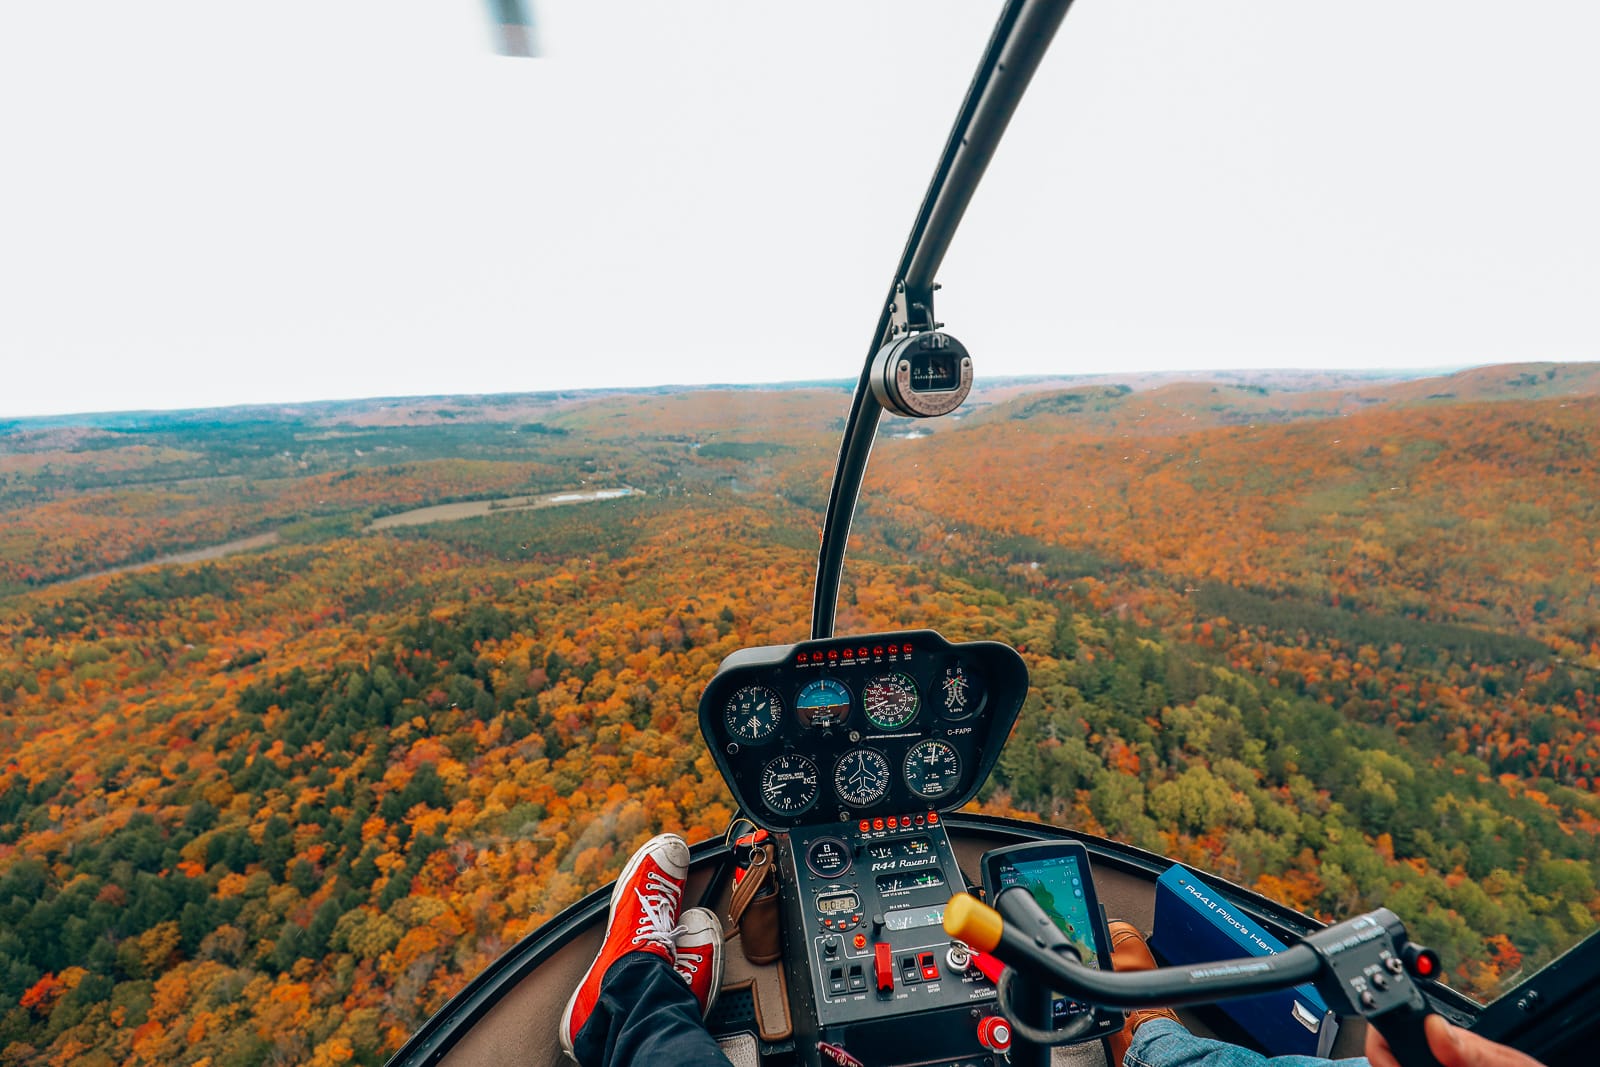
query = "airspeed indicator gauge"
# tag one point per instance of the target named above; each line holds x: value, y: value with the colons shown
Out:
x: 789, y: 784
x: 861, y: 777
x: 890, y: 701
x: 932, y: 768
x: 753, y: 713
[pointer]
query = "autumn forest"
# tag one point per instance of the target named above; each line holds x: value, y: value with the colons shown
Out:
x: 276, y: 799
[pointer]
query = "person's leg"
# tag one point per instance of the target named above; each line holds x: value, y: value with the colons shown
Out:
x: 1153, y: 1037
x: 645, y: 995
x: 646, y: 1014
x: 1166, y: 1043
x: 1130, y: 953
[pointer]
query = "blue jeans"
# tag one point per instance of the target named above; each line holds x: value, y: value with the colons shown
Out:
x: 646, y: 1014
x: 1164, y: 1043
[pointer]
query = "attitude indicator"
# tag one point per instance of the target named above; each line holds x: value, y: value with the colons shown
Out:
x: 823, y: 703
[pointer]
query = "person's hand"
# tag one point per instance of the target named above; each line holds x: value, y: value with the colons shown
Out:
x: 1451, y: 1046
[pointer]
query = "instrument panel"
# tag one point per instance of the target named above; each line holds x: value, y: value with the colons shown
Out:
x: 851, y: 728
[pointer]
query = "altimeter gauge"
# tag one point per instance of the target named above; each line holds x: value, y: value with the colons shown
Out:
x: 789, y: 784
x: 932, y: 768
x: 823, y: 703
x: 861, y: 777
x: 753, y: 713
x: 890, y: 701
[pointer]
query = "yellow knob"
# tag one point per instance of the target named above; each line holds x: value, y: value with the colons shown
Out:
x: 968, y: 919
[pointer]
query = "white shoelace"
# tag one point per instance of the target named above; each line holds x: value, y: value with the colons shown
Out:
x: 688, y: 963
x: 658, y: 904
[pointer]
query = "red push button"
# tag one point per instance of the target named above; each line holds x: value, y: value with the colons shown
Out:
x: 859, y: 941
x: 994, y: 1033
x: 883, y: 966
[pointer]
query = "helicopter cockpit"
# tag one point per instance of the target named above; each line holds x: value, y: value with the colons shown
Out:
x: 850, y: 757
x: 325, y: 723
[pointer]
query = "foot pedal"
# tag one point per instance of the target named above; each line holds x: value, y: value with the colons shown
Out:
x: 743, y: 1050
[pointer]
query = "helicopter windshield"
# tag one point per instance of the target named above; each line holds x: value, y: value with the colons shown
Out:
x: 310, y: 709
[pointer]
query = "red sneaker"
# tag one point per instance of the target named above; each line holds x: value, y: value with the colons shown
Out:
x: 700, y: 955
x: 644, y: 918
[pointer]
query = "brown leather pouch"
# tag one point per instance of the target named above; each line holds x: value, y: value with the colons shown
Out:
x: 753, y: 909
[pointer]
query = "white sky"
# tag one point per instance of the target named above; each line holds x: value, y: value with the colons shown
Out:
x: 207, y: 203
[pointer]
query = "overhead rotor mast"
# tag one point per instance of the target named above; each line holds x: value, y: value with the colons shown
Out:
x: 1021, y: 37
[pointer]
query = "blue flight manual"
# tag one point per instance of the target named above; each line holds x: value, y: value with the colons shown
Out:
x: 1193, y: 925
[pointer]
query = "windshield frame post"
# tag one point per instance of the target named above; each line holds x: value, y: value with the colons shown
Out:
x: 1022, y: 34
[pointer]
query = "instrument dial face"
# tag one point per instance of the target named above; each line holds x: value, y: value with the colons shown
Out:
x: 828, y: 857
x: 789, y: 784
x: 933, y: 768
x: 861, y: 777
x: 890, y: 701
x: 753, y: 713
x: 823, y: 703
x: 961, y: 692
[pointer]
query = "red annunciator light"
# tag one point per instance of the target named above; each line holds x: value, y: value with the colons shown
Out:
x: 833, y: 653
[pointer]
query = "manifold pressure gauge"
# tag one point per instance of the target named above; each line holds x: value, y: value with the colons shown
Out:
x: 922, y: 375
